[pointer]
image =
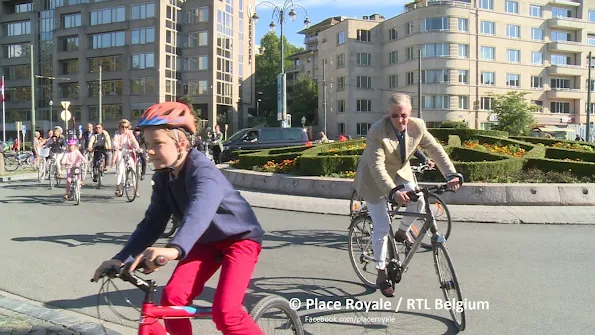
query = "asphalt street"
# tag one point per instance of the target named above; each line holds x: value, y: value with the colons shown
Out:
x: 534, y: 278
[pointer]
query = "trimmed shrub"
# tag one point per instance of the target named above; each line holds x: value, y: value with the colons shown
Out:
x: 579, y: 169
x: 345, y: 152
x: 485, y: 171
x: 454, y: 124
x: 248, y: 161
x: 472, y: 155
x: 315, y: 150
x: 308, y: 165
x: 549, y: 141
x: 454, y: 141
x: 538, y: 151
x: 299, y: 148
x: 562, y: 154
x: 464, y: 134
x: 235, y: 154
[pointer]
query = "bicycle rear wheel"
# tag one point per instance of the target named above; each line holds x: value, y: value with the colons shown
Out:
x: 449, y: 284
x: 11, y: 162
x: 277, y: 310
x: 130, y: 184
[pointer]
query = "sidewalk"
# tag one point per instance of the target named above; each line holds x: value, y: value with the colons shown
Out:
x: 583, y: 215
x: 15, y: 323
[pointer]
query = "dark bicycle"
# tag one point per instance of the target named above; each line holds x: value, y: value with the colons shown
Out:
x: 361, y: 253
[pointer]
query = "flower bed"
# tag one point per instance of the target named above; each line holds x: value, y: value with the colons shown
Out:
x: 508, y: 150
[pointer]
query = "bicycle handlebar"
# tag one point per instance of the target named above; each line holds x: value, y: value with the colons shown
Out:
x: 127, y: 274
x: 438, y: 189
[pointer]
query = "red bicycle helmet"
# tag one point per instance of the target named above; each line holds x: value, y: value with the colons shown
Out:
x: 170, y: 114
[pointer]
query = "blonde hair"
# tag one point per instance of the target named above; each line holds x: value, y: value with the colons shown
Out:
x: 125, y: 123
x: 400, y: 99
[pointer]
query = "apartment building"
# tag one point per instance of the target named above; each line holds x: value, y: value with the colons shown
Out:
x: 148, y: 51
x: 469, y: 50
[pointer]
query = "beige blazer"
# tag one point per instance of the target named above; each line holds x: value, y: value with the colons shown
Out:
x: 380, y: 169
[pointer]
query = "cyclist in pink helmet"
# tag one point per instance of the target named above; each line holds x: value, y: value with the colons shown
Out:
x: 72, y: 158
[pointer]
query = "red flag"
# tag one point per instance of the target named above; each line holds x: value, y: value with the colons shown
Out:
x: 2, y: 88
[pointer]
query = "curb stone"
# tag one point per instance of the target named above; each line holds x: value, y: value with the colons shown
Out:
x: 53, y: 316
x: 25, y: 176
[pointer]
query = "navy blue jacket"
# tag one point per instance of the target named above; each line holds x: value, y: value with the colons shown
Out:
x: 208, y: 207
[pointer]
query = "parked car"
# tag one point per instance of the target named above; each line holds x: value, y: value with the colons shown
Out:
x: 263, y: 138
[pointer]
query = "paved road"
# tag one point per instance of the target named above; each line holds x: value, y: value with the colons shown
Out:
x: 536, y: 278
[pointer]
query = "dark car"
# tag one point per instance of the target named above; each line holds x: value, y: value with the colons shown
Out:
x: 263, y: 138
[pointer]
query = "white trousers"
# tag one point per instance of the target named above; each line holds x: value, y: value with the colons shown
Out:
x: 381, y: 222
x: 121, y: 167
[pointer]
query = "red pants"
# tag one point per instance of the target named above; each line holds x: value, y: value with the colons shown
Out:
x: 191, y: 274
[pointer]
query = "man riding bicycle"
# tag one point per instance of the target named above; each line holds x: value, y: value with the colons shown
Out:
x: 384, y: 166
x: 141, y: 142
x: 101, y: 144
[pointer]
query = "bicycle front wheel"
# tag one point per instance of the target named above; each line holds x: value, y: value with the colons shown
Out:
x: 52, y: 176
x: 11, y: 163
x: 274, y: 314
x: 449, y: 284
x: 77, y: 191
x: 361, y: 253
x: 443, y: 221
x: 41, y: 171
x: 130, y: 185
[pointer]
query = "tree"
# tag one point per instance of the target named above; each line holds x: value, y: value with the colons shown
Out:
x: 514, y: 113
x: 304, y: 100
x: 268, y: 66
x: 454, y: 124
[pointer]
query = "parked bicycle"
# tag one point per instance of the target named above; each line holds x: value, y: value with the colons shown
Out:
x: 361, y: 253
x: 151, y: 313
x: 15, y: 160
x: 437, y: 206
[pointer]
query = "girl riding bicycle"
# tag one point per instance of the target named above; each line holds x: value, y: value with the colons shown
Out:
x: 218, y: 227
x: 123, y: 140
x: 72, y: 158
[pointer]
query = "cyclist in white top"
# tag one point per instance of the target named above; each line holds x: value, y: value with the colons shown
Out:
x: 123, y: 139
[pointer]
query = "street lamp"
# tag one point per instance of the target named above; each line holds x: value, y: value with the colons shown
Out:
x: 279, y: 12
x: 51, y: 114
x: 303, y: 122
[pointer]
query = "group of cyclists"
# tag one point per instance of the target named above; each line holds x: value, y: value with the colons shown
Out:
x: 71, y: 151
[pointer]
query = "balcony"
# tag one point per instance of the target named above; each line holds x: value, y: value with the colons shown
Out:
x: 567, y: 70
x: 295, y: 68
x: 453, y: 3
x: 574, y: 3
x: 571, y: 23
x: 566, y: 46
x: 566, y: 93
x: 311, y: 39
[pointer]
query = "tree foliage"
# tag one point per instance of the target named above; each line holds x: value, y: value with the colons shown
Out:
x: 304, y: 100
x: 268, y: 67
x: 514, y: 113
x: 454, y: 124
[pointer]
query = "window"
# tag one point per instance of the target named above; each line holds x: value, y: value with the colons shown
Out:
x: 364, y: 59
x: 513, y: 31
x: 435, y: 76
x: 340, y: 60
x: 107, y: 15
x: 68, y: 90
x: 364, y: 36
x: 539, y: 105
x: 71, y: 20
x: 195, y: 88
x: 560, y: 60
x: 110, y: 112
x: 23, y: 7
x: 488, y: 78
x: 17, y: 72
x: 513, y: 56
x: 16, y: 50
x: 364, y: 105
x: 512, y: 7
x: 535, y: 11
x: 364, y: 82
x: 537, y: 34
x: 592, y: 15
x: 463, y: 76
x: 108, y: 87
x: 362, y: 128
x: 513, y: 80
x: 68, y: 43
x: 537, y: 58
x: 561, y: 36
x: 560, y: 107
x: 142, y: 36
x: 436, y: 102
x: 410, y: 78
x: 434, y: 24
x: 142, y: 61
x: 409, y: 53
x: 536, y: 82
x: 340, y: 84
x: 463, y: 102
x: 435, y: 50
x: 393, y: 81
x: 340, y: 106
x: 488, y: 53
x: 560, y: 84
x: 196, y: 63
x: 107, y: 63
x: 194, y: 16
x: 463, y: 25
x: 561, y: 12
x: 142, y: 86
x: 17, y: 28
x: 392, y: 34
x: 486, y: 103
x: 486, y: 4
x: 341, y: 37
x: 591, y: 39
x: 592, y: 84
x: 107, y: 40
x: 392, y: 58
x: 488, y: 28
x: 70, y: 66
x: 409, y: 27
x: 145, y: 10
x: 341, y: 128
x: 463, y: 51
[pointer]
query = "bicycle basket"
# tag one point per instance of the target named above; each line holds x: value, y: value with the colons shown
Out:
x: 44, y: 152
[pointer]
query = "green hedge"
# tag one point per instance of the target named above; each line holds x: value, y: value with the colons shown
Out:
x: 484, y: 171
x: 549, y: 141
x: 235, y: 154
x: 324, y: 165
x: 285, y: 150
x: 501, y: 141
x: 537, y: 152
x: 559, y: 153
x: 247, y: 161
x: 464, y: 134
x: 454, y: 141
x: 315, y: 150
x: 345, y: 152
x: 473, y: 155
x: 579, y: 169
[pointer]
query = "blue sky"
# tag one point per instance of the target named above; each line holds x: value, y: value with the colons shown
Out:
x: 319, y: 10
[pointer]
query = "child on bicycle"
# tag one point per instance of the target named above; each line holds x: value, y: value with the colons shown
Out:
x: 71, y: 159
x: 218, y: 228
x: 123, y: 140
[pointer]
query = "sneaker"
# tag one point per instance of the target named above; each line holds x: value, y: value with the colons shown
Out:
x: 403, y: 236
x: 385, y: 288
